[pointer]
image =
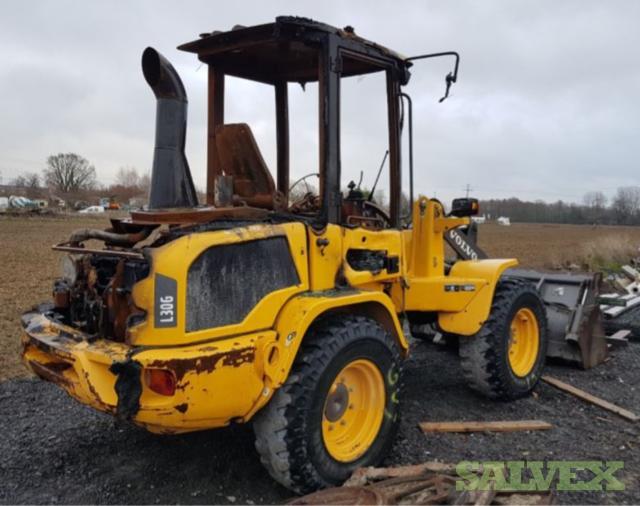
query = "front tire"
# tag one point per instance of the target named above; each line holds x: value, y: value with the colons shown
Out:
x: 337, y: 411
x: 504, y: 360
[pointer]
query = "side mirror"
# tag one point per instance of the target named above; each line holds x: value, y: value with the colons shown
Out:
x: 464, y: 207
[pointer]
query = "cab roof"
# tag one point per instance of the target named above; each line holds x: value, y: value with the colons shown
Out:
x: 288, y: 50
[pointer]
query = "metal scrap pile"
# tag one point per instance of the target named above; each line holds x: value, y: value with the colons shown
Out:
x: 621, y: 309
x: 428, y: 483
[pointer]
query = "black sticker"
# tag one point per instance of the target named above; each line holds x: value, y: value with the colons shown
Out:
x: 165, y: 302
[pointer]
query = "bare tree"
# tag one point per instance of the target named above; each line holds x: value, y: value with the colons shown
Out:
x: 144, y: 184
x: 595, y: 200
x: 128, y: 177
x: 19, y: 182
x: 32, y: 180
x: 626, y: 204
x: 595, y: 203
x: 69, y: 172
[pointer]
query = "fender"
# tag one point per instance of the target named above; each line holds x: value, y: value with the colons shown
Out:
x: 301, y: 312
x: 469, y: 321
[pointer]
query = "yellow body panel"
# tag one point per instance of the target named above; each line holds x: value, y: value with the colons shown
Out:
x: 216, y: 382
x: 389, y: 241
x: 229, y: 372
x: 174, y: 259
x: 468, y: 320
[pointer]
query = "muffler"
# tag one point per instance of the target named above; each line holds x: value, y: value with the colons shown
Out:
x: 171, y: 182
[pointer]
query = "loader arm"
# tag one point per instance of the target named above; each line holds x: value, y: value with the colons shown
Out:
x: 461, y: 297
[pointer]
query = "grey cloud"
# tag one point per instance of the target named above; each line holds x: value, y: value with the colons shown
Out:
x: 547, y: 104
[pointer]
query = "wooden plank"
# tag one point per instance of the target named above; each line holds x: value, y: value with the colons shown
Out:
x: 621, y: 336
x: 586, y: 396
x: 500, y: 426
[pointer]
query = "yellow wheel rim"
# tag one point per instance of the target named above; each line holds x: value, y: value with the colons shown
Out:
x: 353, y: 410
x: 524, y: 342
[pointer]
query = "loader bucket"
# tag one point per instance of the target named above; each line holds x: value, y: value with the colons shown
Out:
x: 576, y: 332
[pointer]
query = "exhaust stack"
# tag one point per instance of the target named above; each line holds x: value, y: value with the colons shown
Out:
x: 171, y: 182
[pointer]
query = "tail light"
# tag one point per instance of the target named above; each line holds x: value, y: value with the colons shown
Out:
x: 161, y: 381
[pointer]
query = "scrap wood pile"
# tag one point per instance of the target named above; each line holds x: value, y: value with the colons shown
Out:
x: 428, y: 483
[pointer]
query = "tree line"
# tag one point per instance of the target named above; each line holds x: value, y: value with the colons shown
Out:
x: 72, y: 174
x: 595, y: 208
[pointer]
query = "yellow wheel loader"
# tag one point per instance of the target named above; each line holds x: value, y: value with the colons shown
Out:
x: 255, y: 308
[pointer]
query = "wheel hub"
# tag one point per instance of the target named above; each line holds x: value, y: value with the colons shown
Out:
x: 337, y: 402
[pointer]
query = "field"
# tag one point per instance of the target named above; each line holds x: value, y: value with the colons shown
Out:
x: 551, y: 246
x: 28, y: 266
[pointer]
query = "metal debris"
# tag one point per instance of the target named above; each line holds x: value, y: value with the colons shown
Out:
x: 428, y: 483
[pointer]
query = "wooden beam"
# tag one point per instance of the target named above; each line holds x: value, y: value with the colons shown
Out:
x: 500, y: 426
x: 585, y: 396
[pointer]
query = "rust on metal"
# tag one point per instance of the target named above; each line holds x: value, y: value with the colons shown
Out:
x: 51, y: 372
x: 207, y: 363
x: 343, y: 496
x: 198, y: 215
x: 119, y: 305
x: 93, y: 251
x: 61, y: 295
x: 408, y: 489
x: 241, y: 159
x: 427, y: 483
x: 111, y: 238
x: 182, y: 407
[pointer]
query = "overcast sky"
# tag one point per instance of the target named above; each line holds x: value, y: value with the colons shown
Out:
x: 547, y: 105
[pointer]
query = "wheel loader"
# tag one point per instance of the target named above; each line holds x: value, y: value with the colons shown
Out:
x: 252, y: 307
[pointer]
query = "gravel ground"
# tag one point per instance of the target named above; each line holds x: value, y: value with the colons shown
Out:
x: 57, y: 451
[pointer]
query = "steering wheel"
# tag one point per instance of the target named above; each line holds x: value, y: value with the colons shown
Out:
x: 304, y: 178
x: 309, y: 202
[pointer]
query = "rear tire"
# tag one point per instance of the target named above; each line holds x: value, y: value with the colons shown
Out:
x: 322, y: 424
x: 504, y: 360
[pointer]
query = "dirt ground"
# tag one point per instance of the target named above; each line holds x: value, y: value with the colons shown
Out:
x: 57, y: 451
x: 547, y: 245
x: 28, y: 267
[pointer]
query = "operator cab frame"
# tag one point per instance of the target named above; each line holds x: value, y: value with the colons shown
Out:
x: 299, y: 50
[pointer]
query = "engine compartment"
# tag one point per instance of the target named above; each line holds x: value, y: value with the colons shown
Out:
x: 94, y: 294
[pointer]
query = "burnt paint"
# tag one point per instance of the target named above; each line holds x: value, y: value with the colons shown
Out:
x: 227, y: 281
x: 42, y: 371
x: 207, y: 363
